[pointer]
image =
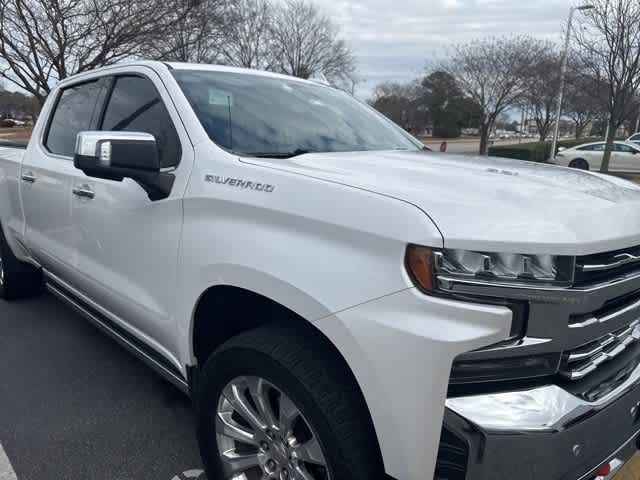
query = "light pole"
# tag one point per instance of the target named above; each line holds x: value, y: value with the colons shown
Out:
x: 563, y: 74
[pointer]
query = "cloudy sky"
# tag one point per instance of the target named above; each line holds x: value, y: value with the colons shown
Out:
x: 395, y: 39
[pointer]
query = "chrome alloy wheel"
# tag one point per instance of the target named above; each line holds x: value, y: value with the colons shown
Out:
x: 262, y: 435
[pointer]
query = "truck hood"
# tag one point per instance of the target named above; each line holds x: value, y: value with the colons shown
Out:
x: 492, y: 204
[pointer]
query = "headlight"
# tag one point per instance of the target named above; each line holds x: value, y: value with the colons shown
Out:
x: 429, y: 267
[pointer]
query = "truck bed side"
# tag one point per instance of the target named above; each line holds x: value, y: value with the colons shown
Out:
x: 11, y: 214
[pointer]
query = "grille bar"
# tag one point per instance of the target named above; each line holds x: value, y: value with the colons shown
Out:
x: 582, y: 361
x: 619, y: 260
x: 606, y: 266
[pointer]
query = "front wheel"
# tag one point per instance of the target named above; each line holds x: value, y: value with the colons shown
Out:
x: 272, y: 406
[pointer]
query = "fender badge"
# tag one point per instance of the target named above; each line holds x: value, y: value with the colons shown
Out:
x: 240, y: 183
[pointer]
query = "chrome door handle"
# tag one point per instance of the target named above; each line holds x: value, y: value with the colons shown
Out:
x: 28, y: 177
x: 84, y: 191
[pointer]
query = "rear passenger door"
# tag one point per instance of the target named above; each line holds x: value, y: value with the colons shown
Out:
x: 46, y: 177
x: 127, y: 245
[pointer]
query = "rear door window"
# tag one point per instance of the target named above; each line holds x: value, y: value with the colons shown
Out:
x: 73, y: 113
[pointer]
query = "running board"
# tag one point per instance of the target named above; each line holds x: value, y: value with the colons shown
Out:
x: 124, y: 338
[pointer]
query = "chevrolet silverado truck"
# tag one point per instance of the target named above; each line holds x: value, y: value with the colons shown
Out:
x: 338, y: 302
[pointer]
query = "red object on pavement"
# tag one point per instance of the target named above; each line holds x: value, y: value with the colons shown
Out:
x: 443, y: 147
x: 604, y: 471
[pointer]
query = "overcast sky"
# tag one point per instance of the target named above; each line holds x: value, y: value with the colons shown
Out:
x: 394, y: 39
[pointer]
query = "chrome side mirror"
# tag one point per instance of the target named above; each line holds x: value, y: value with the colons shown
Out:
x: 119, y: 155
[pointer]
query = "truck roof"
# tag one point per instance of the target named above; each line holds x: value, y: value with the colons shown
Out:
x: 159, y: 66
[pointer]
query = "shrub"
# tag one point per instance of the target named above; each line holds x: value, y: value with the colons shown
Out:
x: 534, y: 151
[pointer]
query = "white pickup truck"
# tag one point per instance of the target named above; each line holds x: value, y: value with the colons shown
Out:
x: 340, y: 303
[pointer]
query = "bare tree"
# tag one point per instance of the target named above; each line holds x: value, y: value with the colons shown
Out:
x: 198, y: 34
x: 490, y: 72
x: 541, y: 83
x: 248, y: 42
x: 306, y: 44
x: 18, y: 105
x: 609, y: 44
x: 43, y: 41
x: 585, y: 97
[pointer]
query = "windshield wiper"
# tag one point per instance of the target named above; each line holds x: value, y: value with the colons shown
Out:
x: 295, y: 153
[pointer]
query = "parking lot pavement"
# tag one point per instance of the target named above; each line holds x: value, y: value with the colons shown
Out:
x: 75, y: 406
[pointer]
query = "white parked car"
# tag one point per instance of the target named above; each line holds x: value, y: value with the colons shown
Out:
x: 339, y: 303
x: 624, y: 158
x: 634, y: 139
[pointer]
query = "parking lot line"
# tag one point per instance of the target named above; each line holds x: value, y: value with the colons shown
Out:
x: 6, y: 470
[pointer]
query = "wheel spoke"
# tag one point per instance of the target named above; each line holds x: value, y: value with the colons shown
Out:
x: 234, y: 395
x: 235, y: 464
x: 259, y: 390
x: 225, y: 425
x: 310, y: 452
x: 288, y: 413
x: 301, y: 473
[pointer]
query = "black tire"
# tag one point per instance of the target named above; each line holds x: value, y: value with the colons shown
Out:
x: 579, y: 163
x: 316, y: 382
x: 17, y: 279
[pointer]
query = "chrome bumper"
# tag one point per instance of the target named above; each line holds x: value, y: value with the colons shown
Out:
x: 547, y: 431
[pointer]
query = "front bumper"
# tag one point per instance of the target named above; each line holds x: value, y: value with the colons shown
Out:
x: 545, y: 432
x: 401, y: 349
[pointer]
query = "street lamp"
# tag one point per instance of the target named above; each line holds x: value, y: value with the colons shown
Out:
x: 563, y: 74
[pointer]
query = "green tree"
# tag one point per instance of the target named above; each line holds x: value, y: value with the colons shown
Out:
x: 450, y: 110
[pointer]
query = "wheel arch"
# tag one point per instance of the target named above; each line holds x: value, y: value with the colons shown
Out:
x: 579, y: 160
x: 217, y: 301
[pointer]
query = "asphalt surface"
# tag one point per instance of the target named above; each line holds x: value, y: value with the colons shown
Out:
x: 74, y: 405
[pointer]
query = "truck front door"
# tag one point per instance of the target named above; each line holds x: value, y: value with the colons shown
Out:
x: 127, y: 245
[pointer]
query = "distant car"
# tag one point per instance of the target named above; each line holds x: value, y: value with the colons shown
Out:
x: 624, y: 158
x: 634, y: 139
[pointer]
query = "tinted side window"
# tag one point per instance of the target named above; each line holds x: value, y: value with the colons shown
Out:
x: 619, y: 147
x: 591, y: 148
x: 136, y: 106
x: 72, y: 114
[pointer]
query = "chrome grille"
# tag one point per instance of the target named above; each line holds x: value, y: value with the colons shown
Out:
x: 580, y: 362
x: 608, y: 265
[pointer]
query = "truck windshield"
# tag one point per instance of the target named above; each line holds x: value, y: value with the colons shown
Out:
x: 263, y: 116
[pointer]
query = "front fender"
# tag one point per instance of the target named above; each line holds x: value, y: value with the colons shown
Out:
x: 314, y: 247
x: 400, y: 349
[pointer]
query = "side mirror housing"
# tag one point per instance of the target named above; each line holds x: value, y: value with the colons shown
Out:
x: 119, y: 155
